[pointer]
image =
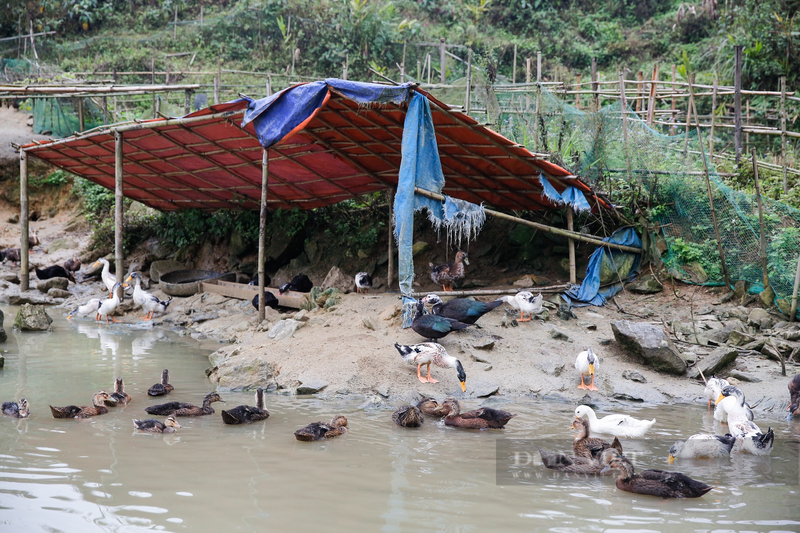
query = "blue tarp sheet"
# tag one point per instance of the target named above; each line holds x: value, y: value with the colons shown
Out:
x: 571, y: 195
x: 276, y: 116
x: 620, y: 265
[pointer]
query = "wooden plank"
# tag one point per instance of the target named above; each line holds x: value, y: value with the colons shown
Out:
x: 241, y: 291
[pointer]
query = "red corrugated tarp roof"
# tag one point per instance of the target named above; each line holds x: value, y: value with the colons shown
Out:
x: 345, y: 151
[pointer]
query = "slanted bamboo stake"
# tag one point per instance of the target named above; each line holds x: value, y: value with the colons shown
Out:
x: 624, y: 112
x: 468, y: 95
x: 262, y: 233
x: 783, y: 133
x: 536, y: 138
x: 674, y: 116
x: 639, y: 79
x: 762, y: 232
x: 571, y: 246
x: 689, y: 106
x: 390, y: 266
x: 713, y: 118
x: 592, y: 239
x: 578, y: 95
x: 595, y: 87
x: 746, y: 123
x: 793, y: 312
x: 118, y: 205
x: 737, y: 102
x: 24, y: 275
x: 652, y: 103
x: 710, y: 192
x: 514, y: 69
x: 442, y: 60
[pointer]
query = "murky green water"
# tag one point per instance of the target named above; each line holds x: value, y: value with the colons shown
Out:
x: 100, y: 475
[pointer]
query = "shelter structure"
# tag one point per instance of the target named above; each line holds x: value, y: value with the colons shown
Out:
x: 311, y: 145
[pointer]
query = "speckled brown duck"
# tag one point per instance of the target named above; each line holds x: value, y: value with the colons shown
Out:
x: 320, y: 430
x: 163, y: 388
x: 98, y: 407
x: 247, y: 414
x: 446, y: 273
x: 16, y: 409
x: 119, y: 396
x: 653, y: 482
x: 430, y: 407
x: 408, y: 416
x: 170, y: 425
x: 186, y: 409
x: 590, y: 447
x: 483, y: 418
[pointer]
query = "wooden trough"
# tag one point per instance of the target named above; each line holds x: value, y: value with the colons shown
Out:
x: 241, y: 291
x: 187, y: 282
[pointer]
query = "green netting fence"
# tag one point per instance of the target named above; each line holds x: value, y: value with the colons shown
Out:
x: 665, y: 171
x: 58, y: 117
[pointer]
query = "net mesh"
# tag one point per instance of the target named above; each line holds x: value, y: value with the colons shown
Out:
x: 663, y: 172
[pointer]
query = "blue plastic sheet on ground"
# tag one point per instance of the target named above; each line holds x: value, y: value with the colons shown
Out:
x: 275, y: 116
x: 571, y: 195
x: 622, y: 266
x: 420, y: 167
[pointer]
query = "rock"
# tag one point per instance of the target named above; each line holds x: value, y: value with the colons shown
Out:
x: 767, y: 297
x: 311, y: 386
x: 721, y: 335
x: 390, y: 312
x: 58, y: 293
x: 482, y: 366
x: 651, y: 344
x: 339, y: 280
x: 755, y: 345
x: 485, y: 389
x: 481, y: 358
x: 29, y: 297
x: 32, y: 318
x: 565, y: 312
x: 717, y: 360
x: 236, y: 372
x: 3, y: 334
x: 741, y: 376
x: 733, y: 381
x: 741, y: 289
x: 301, y: 316
x: 633, y: 375
x: 633, y: 392
x: 525, y: 282
x: 10, y: 277
x: 592, y: 314
x: 587, y: 325
x: 559, y: 334
x: 419, y: 247
x: 727, y: 297
x: 760, y: 318
x: 646, y: 284
x: 484, y: 343
x: 165, y: 266
x: 770, y: 352
x: 604, y: 342
x: 551, y: 367
x: 284, y: 329
x: 368, y: 322
x: 792, y: 335
x: 13, y: 219
x: 737, y: 338
x: 784, y: 305
x: 52, y: 283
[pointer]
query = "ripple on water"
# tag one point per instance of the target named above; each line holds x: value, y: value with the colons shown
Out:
x: 138, y: 494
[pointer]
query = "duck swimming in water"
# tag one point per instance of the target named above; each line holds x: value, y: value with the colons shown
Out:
x: 247, y: 414
x: 163, y: 388
x: 319, y: 430
x: 698, y: 446
x: 170, y: 425
x: 98, y: 407
x: 16, y: 409
x: 119, y: 396
x: 408, y: 416
x: 186, y: 409
x: 794, y: 396
x: 590, y: 447
x: 616, y: 425
x: 483, y: 418
x: 653, y: 482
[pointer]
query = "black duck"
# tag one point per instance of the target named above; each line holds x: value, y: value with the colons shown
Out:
x: 299, y: 283
x: 55, y: 271
x: 434, y: 327
x: 163, y: 388
x: 461, y: 309
x: 246, y: 414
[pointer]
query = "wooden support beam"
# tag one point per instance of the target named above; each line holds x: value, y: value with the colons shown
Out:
x: 571, y: 244
x: 762, y: 232
x: 737, y: 102
x: 442, y: 61
x: 491, y: 292
x: 783, y: 134
x: 24, y: 275
x: 793, y: 312
x: 713, y: 118
x: 262, y: 234
x: 118, y: 206
x: 468, y: 97
x: 390, y: 226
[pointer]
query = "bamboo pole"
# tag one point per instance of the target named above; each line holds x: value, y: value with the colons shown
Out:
x: 81, y: 116
x: 536, y: 138
x: 490, y: 292
x: 762, y: 232
x: 578, y: 95
x: 674, y: 115
x: 689, y: 106
x: 710, y: 192
x: 346, y: 65
x: 793, y: 312
x: 153, y: 82
x: 746, y: 123
x: 24, y: 275
x: 390, y: 266
x: 262, y: 234
x: 592, y: 239
x: 468, y: 96
x: 175, y: 25
x: 652, y: 102
x: 595, y: 87
x: 105, y: 110
x: 713, y: 117
x: 571, y: 246
x: 639, y: 85
x: 442, y: 61
x: 187, y: 102
x: 514, y: 69
x: 783, y: 133
x: 737, y: 102
x: 50, y: 90
x: 118, y: 206
x: 403, y: 65
x: 624, y: 113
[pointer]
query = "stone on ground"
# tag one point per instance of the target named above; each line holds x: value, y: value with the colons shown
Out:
x: 646, y: 284
x: 52, y: 283
x: 32, y: 318
x: 649, y: 343
x: 58, y: 293
x: 311, y: 386
x: 339, y: 280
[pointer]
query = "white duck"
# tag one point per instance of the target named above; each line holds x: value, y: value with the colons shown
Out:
x: 109, y: 305
x: 730, y: 403
x: 106, y: 275
x: 702, y: 446
x: 741, y: 425
x: 616, y: 425
x: 586, y: 363
x: 145, y: 300
x: 89, y: 307
x: 426, y: 353
x: 714, y: 387
x: 526, y: 302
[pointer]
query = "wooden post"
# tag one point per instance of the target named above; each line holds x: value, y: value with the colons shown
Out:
x: 346, y: 64
x: 578, y: 93
x: 763, y: 235
x: 201, y: 16
x: 269, y: 85
x: 262, y: 233
x: 713, y: 118
x: 153, y: 82
x: 428, y: 59
x: 747, y: 123
x: 651, y: 105
x: 624, y: 112
x: 218, y: 95
x: 419, y: 71
x: 157, y: 111
x: 81, y: 117
x: 708, y: 187
x: 118, y: 205
x: 403, y: 65
x: 514, y: 68
x: 640, y: 79
x: 468, y: 96
x: 595, y: 87
x: 571, y: 245
x: 536, y: 138
x: 187, y: 101
x: 737, y: 103
x: 216, y: 90
x: 783, y: 133
x: 175, y: 25
x: 442, y: 61
x: 105, y: 110
x: 390, y: 266
x: 24, y: 276
x: 527, y: 70
x: 794, y: 292
x: 674, y: 115
x: 689, y: 107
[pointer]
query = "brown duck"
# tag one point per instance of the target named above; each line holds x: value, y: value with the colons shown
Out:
x: 319, y: 430
x: 408, y: 416
x: 590, y: 447
x: 84, y: 411
x: 653, y: 482
x: 446, y: 273
x: 247, y: 414
x: 170, y: 425
x: 119, y: 396
x: 794, y: 396
x: 186, y: 409
x: 163, y: 388
x: 16, y: 409
x: 570, y: 465
x: 483, y: 418
x: 431, y: 407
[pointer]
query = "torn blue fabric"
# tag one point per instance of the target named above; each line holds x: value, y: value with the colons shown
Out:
x: 621, y: 266
x: 420, y: 167
x: 275, y: 116
x: 549, y: 191
x: 571, y: 195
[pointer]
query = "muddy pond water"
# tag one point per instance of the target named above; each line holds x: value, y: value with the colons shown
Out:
x: 100, y: 475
